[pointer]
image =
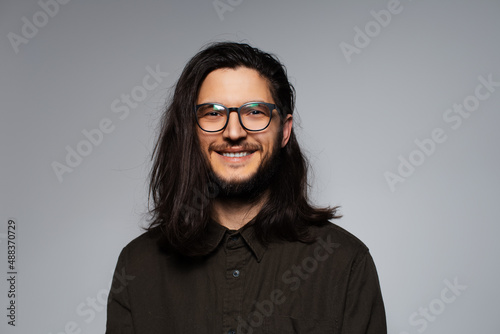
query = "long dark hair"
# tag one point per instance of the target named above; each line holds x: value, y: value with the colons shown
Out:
x: 181, y: 193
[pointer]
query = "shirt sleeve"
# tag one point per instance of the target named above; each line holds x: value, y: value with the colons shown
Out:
x: 364, y: 310
x: 119, y: 316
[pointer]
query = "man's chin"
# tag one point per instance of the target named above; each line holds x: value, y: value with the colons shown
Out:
x: 236, y: 180
x: 238, y: 188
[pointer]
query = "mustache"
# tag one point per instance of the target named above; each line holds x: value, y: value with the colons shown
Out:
x: 227, y: 146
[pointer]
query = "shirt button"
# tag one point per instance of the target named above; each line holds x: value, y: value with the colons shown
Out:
x: 236, y: 273
x: 234, y: 238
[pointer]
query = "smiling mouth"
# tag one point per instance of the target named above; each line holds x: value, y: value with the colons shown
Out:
x: 235, y: 154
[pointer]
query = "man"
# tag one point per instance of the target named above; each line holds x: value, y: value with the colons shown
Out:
x: 234, y: 245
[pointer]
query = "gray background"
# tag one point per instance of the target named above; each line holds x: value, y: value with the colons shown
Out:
x: 355, y: 118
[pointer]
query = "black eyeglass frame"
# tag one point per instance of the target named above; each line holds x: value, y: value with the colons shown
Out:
x: 271, y: 107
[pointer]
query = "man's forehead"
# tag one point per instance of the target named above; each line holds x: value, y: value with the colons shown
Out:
x: 234, y: 86
x: 235, y: 74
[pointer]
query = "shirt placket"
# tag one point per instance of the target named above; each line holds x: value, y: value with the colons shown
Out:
x: 237, y: 255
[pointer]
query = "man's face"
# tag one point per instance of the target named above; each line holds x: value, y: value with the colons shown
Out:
x: 235, y: 155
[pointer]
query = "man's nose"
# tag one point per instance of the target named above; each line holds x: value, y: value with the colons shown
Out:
x: 234, y: 131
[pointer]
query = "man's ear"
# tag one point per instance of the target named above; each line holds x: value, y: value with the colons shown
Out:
x: 287, y: 129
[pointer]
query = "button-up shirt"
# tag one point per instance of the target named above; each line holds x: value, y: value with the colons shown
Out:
x: 244, y: 286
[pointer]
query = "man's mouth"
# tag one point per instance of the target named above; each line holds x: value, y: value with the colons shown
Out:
x: 235, y: 154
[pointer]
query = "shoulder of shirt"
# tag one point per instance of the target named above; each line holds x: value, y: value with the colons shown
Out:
x: 145, y: 243
x: 339, y: 235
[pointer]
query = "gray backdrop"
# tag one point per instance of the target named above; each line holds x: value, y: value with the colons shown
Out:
x: 397, y: 109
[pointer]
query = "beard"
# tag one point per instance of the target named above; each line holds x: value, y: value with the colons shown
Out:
x: 252, y: 188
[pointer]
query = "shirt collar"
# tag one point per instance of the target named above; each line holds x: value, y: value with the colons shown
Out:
x: 216, y: 232
x: 258, y: 249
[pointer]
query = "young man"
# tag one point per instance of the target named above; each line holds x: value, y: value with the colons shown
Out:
x: 234, y: 245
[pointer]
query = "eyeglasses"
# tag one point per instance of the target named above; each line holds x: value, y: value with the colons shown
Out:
x: 253, y: 116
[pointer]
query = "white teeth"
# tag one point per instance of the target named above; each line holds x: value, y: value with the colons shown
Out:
x: 236, y: 155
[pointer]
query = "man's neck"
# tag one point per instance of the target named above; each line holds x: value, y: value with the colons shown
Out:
x: 234, y: 213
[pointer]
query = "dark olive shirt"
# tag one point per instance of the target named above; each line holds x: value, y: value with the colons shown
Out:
x: 242, y: 286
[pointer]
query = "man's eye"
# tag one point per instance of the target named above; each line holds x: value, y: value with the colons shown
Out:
x: 255, y: 112
x: 211, y: 111
x: 213, y: 114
